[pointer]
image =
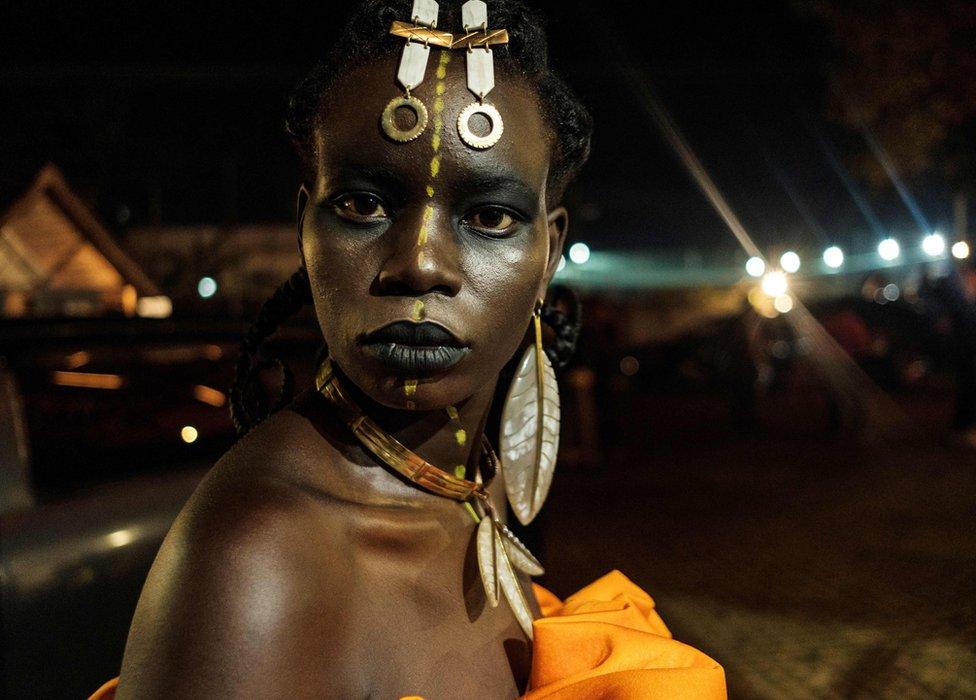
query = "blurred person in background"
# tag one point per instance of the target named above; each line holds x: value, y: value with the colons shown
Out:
x: 950, y: 305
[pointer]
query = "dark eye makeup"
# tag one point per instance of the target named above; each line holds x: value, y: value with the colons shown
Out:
x: 364, y: 208
x: 493, y: 220
x: 359, y: 207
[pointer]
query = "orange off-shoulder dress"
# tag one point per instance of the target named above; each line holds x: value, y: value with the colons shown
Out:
x: 605, y: 641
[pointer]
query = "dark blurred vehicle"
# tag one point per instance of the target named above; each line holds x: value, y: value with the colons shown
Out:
x: 106, y: 427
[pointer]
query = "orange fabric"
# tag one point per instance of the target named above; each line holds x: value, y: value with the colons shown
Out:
x: 604, y: 642
x: 107, y: 691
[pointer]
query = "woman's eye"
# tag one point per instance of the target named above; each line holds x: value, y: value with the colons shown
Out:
x: 493, y: 219
x: 362, y: 207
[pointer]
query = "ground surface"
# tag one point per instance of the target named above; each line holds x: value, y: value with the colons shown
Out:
x: 809, y: 566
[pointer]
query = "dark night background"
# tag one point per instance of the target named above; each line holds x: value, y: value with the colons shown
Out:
x: 171, y: 113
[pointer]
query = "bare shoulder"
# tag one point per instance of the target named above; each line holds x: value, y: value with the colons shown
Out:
x: 242, y: 597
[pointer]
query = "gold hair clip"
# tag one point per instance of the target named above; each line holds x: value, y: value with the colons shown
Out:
x: 481, y: 39
x: 422, y: 34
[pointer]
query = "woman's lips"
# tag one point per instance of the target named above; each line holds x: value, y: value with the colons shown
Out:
x: 415, y: 348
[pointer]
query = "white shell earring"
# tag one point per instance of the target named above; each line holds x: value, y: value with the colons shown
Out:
x: 530, y: 429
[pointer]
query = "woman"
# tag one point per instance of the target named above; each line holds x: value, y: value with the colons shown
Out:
x: 316, y: 559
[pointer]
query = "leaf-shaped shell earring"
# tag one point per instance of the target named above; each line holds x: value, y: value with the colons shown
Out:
x: 530, y: 429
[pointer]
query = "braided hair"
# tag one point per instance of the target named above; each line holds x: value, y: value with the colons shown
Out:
x: 365, y: 38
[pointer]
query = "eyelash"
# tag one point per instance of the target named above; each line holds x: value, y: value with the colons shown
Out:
x: 366, y: 220
x: 515, y: 217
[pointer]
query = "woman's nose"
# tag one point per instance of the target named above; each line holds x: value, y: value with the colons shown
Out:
x: 424, y: 257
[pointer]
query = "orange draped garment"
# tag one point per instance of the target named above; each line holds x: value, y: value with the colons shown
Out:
x: 605, y: 641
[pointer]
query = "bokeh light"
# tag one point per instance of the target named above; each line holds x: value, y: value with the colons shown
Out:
x: 579, y: 253
x: 833, y: 257
x: 775, y: 284
x: 755, y: 267
x: 790, y: 261
x: 889, y: 249
x: 629, y: 366
x: 207, y: 287
x: 783, y: 303
x: 934, y: 245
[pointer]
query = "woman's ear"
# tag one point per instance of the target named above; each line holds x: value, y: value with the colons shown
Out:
x: 558, y: 226
x: 301, y: 206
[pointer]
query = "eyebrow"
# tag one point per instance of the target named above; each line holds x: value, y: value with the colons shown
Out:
x: 495, y: 182
x: 379, y: 174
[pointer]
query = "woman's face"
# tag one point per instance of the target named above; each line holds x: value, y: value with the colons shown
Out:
x: 427, y: 258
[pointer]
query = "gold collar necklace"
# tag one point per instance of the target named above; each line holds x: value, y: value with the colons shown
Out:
x: 500, y: 552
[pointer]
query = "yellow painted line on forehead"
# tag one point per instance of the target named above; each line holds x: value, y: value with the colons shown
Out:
x: 442, y: 64
x: 409, y: 387
x: 452, y: 412
x: 435, y: 145
x: 461, y: 435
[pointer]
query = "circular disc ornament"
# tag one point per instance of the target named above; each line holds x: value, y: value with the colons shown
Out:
x: 488, y: 112
x: 388, y: 120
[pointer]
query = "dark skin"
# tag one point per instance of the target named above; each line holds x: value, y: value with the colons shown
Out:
x: 301, y: 567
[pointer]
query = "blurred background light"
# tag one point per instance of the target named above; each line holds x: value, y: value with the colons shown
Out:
x: 579, y: 253
x: 833, y: 257
x: 891, y: 292
x: 120, y: 538
x: 889, y: 249
x: 790, y: 261
x: 934, y: 245
x: 775, y: 284
x: 629, y: 366
x: 755, y: 267
x: 189, y: 434
x: 562, y: 263
x: 783, y: 303
x: 960, y: 250
x: 207, y: 287
x: 154, y: 307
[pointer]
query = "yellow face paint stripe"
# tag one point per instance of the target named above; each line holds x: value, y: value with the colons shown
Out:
x: 418, y: 311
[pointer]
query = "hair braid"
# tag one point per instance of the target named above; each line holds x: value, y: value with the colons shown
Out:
x: 564, y: 323
x: 245, y: 405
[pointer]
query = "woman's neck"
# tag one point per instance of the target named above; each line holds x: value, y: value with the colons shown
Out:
x: 448, y: 438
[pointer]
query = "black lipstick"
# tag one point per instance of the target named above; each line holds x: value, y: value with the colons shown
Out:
x: 415, y: 348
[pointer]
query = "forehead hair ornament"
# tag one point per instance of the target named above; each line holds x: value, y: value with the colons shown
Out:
x: 413, y: 65
x: 476, y: 41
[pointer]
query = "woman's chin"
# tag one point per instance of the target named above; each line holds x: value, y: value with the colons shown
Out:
x: 431, y: 393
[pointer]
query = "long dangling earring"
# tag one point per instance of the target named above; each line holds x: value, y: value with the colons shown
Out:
x: 530, y: 429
